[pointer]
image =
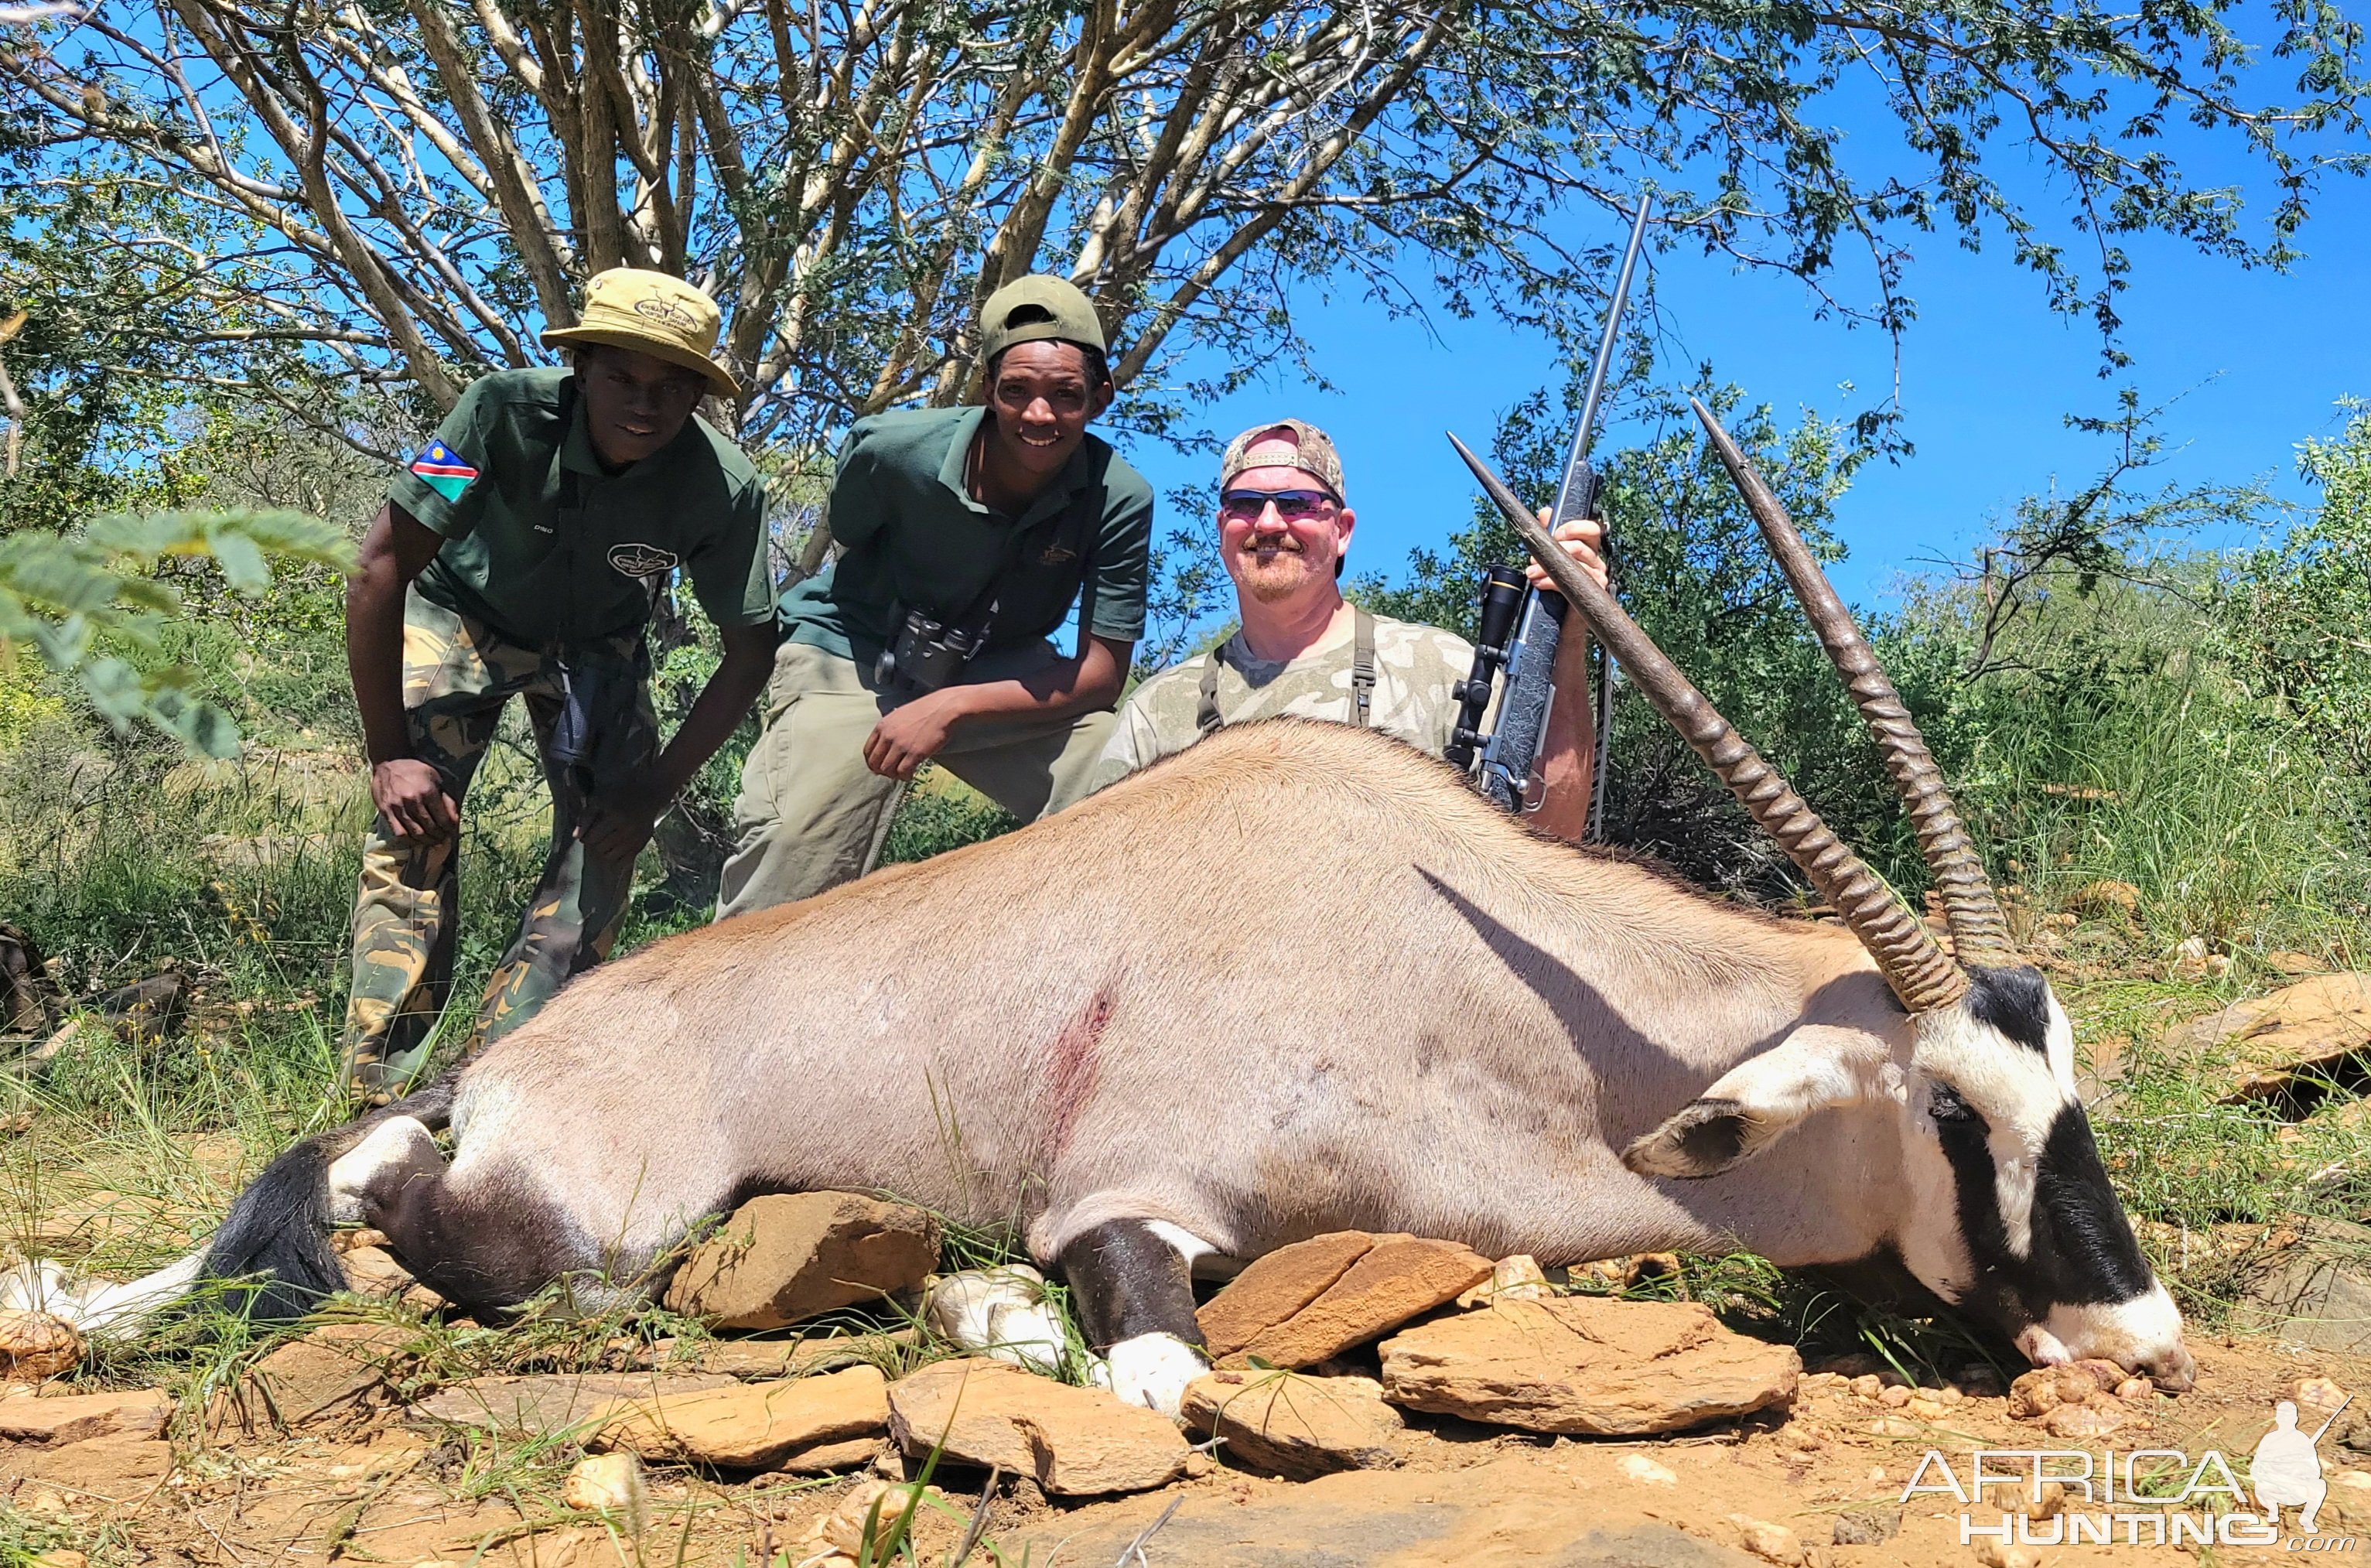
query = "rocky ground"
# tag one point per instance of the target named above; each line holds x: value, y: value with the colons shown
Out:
x: 1817, y: 1478
x: 1446, y: 1411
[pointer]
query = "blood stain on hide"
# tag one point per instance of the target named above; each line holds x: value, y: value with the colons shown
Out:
x: 1077, y: 1058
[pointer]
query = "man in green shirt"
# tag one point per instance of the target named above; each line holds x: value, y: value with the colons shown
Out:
x: 519, y: 555
x: 965, y: 537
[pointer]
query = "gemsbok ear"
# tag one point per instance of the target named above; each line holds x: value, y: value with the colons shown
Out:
x: 1752, y: 1106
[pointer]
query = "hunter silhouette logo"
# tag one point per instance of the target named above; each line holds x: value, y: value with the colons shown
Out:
x: 642, y: 560
x: 2286, y: 1468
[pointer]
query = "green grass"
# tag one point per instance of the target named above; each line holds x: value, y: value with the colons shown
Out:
x: 941, y: 813
x: 2232, y: 827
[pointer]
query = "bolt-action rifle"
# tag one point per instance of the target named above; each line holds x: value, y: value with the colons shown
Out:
x: 1528, y: 657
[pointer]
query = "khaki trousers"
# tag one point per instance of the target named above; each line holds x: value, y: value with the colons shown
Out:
x: 811, y: 815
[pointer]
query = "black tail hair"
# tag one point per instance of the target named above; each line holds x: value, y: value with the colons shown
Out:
x: 274, y: 1245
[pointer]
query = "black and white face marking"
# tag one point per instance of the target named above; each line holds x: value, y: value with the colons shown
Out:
x: 2014, y: 1217
x: 2010, y: 1215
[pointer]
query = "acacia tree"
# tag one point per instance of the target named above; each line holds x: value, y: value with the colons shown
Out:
x: 399, y: 192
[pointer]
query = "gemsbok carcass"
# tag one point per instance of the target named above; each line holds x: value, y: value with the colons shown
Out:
x: 1299, y: 978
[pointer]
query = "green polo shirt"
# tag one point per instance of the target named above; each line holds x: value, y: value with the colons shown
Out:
x: 911, y: 533
x: 546, y: 547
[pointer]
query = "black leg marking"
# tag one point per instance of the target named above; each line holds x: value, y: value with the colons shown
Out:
x: 1127, y: 1281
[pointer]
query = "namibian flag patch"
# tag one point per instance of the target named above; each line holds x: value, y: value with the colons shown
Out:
x: 442, y: 471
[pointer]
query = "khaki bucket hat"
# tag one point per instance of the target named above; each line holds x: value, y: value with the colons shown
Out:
x: 627, y: 307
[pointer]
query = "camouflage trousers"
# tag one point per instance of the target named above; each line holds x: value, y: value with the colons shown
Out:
x: 458, y: 675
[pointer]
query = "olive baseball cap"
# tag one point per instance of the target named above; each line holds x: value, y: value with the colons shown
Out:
x: 1034, y: 309
x: 627, y: 307
x: 1309, y: 449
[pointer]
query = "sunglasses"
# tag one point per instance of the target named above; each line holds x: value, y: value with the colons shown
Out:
x: 1249, y: 504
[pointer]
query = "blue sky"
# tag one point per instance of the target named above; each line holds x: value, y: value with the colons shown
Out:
x: 2256, y: 359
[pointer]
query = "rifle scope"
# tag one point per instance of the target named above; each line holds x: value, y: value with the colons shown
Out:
x: 1502, y: 601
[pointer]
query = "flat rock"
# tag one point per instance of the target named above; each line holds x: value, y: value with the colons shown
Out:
x: 792, y: 1255
x: 770, y: 1358
x: 1295, y: 1427
x: 750, y: 1426
x: 1586, y: 1365
x: 335, y: 1372
x: 540, y: 1403
x: 59, y: 1419
x: 826, y: 1458
x: 373, y: 1272
x: 1075, y: 1442
x: 2317, y: 1295
x: 2268, y: 1040
x: 1272, y: 1288
x: 35, y: 1347
x: 1516, y: 1278
x: 121, y: 1467
x: 1378, y: 1288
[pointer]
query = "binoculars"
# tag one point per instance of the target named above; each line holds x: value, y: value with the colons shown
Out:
x: 925, y: 653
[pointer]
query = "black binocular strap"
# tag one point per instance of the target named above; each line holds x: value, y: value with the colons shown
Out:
x: 1363, y: 677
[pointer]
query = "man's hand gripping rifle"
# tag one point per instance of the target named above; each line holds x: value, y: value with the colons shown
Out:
x: 1510, y: 752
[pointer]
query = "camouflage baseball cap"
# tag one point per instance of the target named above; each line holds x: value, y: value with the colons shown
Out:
x: 1309, y: 449
x: 1034, y: 309
x: 627, y: 307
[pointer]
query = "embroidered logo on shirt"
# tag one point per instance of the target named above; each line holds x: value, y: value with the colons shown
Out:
x: 1056, y: 554
x: 642, y: 560
x: 441, y: 468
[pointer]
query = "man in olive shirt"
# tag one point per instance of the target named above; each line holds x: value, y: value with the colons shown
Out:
x: 519, y: 554
x: 984, y: 524
x: 1303, y: 651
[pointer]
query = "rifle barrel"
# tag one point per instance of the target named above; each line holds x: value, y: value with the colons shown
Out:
x: 1582, y: 437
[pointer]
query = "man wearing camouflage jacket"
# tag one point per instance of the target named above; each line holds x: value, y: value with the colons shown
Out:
x: 519, y: 555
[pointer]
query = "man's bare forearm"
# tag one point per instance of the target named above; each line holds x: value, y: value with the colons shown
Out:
x: 1569, y: 759
x: 1067, y: 686
x: 391, y: 558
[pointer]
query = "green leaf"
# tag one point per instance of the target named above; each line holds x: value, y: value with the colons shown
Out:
x: 64, y: 594
x: 241, y: 561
